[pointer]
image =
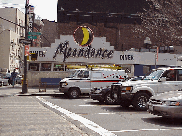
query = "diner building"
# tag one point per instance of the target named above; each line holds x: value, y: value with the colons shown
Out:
x: 55, y: 61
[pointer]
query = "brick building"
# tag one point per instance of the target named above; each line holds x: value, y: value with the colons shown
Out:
x: 114, y: 20
x: 49, y: 33
x: 111, y: 19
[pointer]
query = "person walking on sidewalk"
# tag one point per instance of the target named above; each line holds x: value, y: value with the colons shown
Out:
x: 13, y: 76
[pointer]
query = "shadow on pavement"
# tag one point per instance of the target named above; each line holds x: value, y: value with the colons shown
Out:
x: 167, y: 122
x: 116, y: 107
x: 64, y: 96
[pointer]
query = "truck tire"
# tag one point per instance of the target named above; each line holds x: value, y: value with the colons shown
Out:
x: 125, y: 103
x: 74, y: 93
x: 108, y: 99
x: 140, y: 101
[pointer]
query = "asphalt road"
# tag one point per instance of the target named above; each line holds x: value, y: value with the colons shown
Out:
x: 112, y: 119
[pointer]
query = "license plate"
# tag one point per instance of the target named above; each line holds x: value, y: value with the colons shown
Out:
x: 151, y: 107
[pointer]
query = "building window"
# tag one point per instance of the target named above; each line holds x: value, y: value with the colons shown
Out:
x: 58, y: 67
x: 33, y: 67
x: 45, y: 66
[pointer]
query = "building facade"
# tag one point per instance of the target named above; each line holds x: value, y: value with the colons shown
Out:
x: 38, y: 28
x: 49, y: 33
x: 55, y: 61
x: 116, y: 20
x: 12, y: 22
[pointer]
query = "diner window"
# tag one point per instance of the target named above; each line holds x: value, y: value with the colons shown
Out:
x: 45, y: 66
x: 33, y: 67
x: 58, y: 67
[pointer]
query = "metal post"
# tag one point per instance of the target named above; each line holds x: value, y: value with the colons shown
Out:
x: 155, y: 60
x: 24, y: 87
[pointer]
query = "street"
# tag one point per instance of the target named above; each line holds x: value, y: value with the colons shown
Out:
x: 117, y: 120
x: 33, y: 113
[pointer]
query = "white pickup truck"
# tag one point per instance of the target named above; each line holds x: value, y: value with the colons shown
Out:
x: 138, y: 93
x: 81, y: 81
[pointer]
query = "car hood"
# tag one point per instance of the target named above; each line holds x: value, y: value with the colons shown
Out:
x: 138, y: 82
x: 172, y: 95
x: 65, y: 79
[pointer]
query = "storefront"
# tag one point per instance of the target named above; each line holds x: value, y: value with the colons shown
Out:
x: 54, y: 61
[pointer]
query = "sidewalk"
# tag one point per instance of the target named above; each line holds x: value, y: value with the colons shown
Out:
x: 32, y: 91
x: 20, y: 116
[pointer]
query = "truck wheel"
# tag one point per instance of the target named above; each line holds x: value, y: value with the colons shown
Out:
x: 108, y: 99
x: 74, y: 93
x: 140, y: 101
x: 125, y: 104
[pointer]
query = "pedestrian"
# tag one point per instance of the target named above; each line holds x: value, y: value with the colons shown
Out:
x: 13, y: 76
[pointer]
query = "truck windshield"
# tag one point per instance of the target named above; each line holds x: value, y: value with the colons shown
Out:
x: 73, y: 74
x: 154, y: 75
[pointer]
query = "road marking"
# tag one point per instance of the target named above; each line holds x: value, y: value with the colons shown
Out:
x: 100, y: 105
x: 136, y: 130
x: 89, y: 124
x: 106, y: 113
x: 87, y: 105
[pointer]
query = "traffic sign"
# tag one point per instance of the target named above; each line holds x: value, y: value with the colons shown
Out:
x: 27, y: 48
x: 25, y: 41
x: 34, y: 33
x: 32, y: 37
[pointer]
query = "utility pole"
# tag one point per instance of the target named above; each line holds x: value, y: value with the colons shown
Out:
x: 24, y: 87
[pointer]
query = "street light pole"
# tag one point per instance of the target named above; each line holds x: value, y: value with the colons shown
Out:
x: 156, y: 55
x: 24, y: 87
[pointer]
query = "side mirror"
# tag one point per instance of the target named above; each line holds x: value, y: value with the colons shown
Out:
x: 162, y: 79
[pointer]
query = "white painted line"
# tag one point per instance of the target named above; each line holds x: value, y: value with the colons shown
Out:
x: 87, y: 105
x: 89, y: 124
x: 106, y: 113
x: 134, y: 130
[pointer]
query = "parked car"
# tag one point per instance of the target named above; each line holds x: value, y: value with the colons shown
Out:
x: 138, y: 93
x: 103, y: 94
x: 166, y: 104
x: 18, y: 79
x: 4, y: 82
x: 8, y: 76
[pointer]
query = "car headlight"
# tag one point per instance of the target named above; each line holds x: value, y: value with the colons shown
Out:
x: 171, y: 103
x: 175, y: 103
x: 127, y: 88
x: 96, y: 90
x: 64, y: 84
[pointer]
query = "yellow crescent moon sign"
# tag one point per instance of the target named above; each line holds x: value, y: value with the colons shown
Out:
x: 83, y: 35
x: 86, y: 36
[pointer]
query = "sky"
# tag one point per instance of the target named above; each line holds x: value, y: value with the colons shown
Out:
x: 45, y: 9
